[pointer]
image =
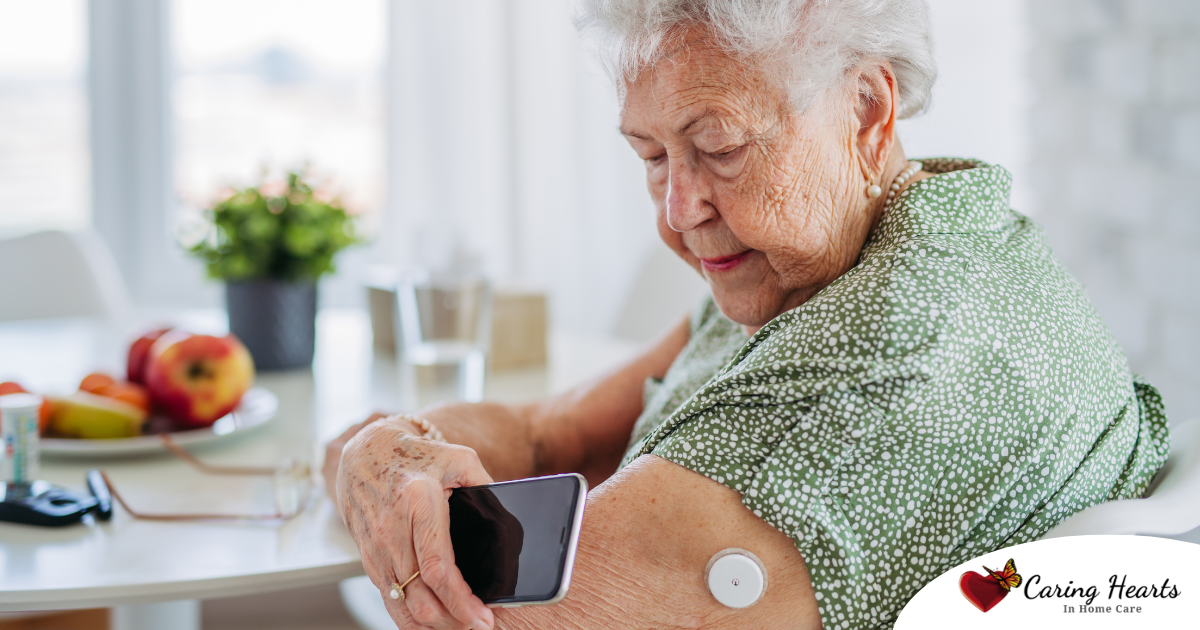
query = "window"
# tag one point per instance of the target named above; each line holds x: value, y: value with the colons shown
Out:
x: 279, y: 84
x: 44, y: 162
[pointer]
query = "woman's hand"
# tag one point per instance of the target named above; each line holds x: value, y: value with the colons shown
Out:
x: 333, y: 454
x: 392, y: 491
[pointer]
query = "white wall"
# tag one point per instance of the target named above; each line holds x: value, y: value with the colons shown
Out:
x: 1116, y: 133
x: 980, y: 101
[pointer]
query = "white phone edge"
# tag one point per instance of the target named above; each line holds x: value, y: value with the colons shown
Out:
x: 572, y: 545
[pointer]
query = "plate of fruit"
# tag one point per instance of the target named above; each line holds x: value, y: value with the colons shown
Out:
x: 196, y: 387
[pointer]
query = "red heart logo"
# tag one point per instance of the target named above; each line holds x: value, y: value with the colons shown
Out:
x: 982, y: 591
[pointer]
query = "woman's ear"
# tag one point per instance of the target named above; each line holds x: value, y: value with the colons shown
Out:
x: 877, y: 97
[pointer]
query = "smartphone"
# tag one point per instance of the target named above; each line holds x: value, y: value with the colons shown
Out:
x: 515, y: 541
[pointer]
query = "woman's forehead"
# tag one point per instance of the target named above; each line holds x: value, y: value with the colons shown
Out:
x: 683, y: 96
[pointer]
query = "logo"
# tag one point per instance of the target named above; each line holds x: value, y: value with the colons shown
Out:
x: 1079, y: 582
x: 985, y: 591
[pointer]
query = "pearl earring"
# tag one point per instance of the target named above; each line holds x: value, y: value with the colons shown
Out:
x: 874, y: 190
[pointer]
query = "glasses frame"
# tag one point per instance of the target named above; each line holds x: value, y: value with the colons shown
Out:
x: 297, y: 471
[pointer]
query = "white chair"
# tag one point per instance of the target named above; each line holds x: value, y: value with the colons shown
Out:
x: 1172, y: 504
x: 59, y: 274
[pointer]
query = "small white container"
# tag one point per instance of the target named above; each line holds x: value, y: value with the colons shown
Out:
x: 19, y: 430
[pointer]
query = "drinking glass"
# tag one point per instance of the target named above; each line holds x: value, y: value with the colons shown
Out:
x: 444, y: 320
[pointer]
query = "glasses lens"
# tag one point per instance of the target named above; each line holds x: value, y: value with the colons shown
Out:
x: 293, y: 485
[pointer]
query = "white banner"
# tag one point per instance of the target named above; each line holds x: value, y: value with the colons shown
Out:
x: 1075, y: 582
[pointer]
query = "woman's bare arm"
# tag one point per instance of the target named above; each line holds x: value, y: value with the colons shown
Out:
x: 583, y: 430
x: 648, y: 533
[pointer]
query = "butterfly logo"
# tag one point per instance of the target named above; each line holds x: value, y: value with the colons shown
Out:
x: 985, y: 591
x: 1009, y: 579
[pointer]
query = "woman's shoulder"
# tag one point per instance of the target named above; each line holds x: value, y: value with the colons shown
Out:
x: 956, y: 280
x: 961, y: 197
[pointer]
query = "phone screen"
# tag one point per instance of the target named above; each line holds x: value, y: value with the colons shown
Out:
x: 512, y: 539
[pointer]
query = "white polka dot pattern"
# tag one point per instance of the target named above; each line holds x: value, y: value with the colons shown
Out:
x: 952, y: 394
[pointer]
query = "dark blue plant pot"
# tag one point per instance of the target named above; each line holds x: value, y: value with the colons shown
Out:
x: 275, y: 319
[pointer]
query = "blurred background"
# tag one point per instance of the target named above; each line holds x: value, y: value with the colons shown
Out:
x: 483, y: 131
x: 460, y: 129
x: 479, y: 133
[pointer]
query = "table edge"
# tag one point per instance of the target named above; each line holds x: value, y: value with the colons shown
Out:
x: 207, y: 588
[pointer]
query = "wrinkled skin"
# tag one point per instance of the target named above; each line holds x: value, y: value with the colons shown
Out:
x: 389, y: 472
x: 732, y: 172
x: 731, y: 169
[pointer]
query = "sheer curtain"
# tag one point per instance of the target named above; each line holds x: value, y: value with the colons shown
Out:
x: 504, y: 150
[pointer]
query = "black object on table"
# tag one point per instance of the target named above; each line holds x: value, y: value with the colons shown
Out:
x: 43, y: 503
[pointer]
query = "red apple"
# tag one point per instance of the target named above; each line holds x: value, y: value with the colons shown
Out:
x: 135, y: 367
x: 197, y: 379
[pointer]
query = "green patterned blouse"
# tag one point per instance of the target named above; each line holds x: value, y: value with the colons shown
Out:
x: 953, y: 393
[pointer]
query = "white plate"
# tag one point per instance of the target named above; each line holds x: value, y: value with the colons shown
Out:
x: 257, y: 407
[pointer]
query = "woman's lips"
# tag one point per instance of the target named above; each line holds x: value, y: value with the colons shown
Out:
x: 724, y: 263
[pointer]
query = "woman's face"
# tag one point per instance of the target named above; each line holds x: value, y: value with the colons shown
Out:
x: 769, y: 206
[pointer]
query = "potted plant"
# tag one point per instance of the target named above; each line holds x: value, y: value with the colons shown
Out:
x: 270, y: 244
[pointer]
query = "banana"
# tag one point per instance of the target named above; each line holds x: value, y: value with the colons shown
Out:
x: 88, y: 416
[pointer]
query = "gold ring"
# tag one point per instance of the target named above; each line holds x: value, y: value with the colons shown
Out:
x: 398, y: 589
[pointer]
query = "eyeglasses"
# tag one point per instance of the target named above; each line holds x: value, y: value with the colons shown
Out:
x: 292, y: 479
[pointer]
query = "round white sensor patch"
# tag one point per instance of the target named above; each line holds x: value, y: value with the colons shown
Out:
x: 736, y: 578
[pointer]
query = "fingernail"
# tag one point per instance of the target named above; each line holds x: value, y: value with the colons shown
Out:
x: 478, y: 624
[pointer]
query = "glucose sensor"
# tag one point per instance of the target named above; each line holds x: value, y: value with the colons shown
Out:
x: 736, y: 577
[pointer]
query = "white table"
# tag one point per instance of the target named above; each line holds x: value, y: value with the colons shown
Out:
x: 127, y: 563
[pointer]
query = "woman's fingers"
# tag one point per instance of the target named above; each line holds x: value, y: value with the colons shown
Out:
x: 465, y: 469
x: 392, y: 489
x: 423, y: 606
x: 435, y: 557
x: 419, y: 607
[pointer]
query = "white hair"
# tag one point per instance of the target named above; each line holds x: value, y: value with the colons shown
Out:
x: 805, y: 46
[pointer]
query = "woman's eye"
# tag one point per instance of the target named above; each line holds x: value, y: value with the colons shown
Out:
x: 656, y: 159
x: 726, y: 154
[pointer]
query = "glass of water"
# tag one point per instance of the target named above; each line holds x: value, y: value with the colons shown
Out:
x: 445, y: 320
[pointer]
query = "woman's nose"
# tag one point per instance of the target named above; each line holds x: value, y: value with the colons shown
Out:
x: 689, y: 202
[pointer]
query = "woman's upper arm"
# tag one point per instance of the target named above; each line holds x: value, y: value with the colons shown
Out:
x: 648, y: 533
x: 587, y: 429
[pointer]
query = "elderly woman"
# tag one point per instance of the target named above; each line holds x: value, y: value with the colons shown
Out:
x: 893, y: 373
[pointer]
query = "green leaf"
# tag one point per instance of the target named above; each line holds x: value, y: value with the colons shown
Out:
x: 290, y: 237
